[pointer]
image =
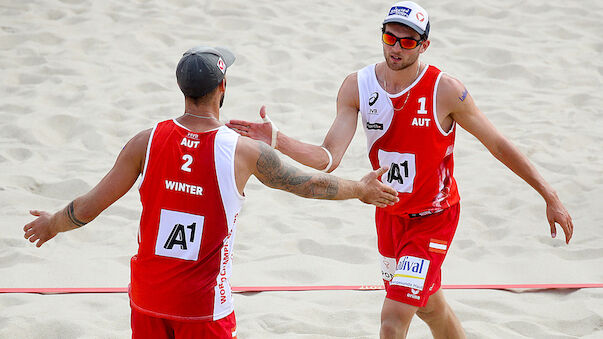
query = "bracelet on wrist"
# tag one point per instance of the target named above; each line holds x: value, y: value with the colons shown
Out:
x: 326, y: 169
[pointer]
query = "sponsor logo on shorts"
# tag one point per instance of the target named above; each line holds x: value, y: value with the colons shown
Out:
x: 370, y: 125
x: 388, y: 268
x: 413, y: 296
x: 411, y: 272
x: 400, y: 10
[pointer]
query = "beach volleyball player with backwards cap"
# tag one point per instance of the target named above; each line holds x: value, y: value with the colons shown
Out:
x: 193, y: 171
x: 409, y: 112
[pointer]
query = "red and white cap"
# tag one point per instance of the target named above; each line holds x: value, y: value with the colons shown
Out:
x: 410, y: 14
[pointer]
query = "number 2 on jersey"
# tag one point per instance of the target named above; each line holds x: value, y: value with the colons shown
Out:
x: 188, y: 160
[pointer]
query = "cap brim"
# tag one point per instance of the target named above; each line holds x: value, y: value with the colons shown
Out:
x: 406, y: 23
x: 222, y: 52
x: 227, y: 55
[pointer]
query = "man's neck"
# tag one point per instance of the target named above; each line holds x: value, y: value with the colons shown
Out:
x: 200, y: 118
x: 395, y: 81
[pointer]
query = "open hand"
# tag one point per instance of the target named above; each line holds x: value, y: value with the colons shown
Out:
x: 557, y: 213
x: 375, y: 192
x: 41, y: 229
x: 261, y: 131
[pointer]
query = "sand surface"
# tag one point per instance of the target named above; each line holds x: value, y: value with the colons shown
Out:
x: 80, y: 77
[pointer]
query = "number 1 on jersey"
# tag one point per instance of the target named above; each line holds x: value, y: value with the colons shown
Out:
x: 422, y: 109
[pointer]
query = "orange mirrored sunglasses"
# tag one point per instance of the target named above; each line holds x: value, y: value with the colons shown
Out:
x: 406, y: 43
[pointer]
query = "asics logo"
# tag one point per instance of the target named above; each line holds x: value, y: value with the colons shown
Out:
x: 373, y: 98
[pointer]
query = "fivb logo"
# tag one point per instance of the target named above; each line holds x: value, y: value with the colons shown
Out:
x: 400, y: 10
x: 411, y: 272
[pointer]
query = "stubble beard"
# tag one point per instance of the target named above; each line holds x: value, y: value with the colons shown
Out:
x: 403, y: 64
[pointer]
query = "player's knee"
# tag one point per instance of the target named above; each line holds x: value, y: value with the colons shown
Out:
x: 429, y: 315
x: 391, y: 329
x: 435, y: 310
x: 395, y: 318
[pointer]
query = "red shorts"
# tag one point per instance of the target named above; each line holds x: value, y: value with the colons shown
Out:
x: 146, y: 326
x: 413, y: 250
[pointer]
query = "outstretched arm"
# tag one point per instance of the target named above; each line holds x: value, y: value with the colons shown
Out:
x: 468, y: 116
x: 336, y: 142
x: 85, y: 208
x: 257, y: 158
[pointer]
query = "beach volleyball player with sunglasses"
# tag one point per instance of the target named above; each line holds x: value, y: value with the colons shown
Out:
x: 409, y: 112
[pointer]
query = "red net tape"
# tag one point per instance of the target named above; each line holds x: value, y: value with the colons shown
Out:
x: 243, y: 289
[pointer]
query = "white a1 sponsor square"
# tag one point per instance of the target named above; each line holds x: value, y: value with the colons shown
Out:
x: 179, y: 235
x: 402, y: 170
x: 411, y: 272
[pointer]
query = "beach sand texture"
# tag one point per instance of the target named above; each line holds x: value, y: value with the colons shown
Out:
x: 80, y: 77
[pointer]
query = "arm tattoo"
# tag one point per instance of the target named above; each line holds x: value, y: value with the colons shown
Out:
x: 276, y: 174
x: 71, y: 216
x: 464, y: 95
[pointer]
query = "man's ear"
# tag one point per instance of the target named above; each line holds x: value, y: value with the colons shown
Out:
x: 424, y: 46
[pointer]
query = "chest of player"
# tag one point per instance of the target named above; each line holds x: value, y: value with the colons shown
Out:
x: 407, y: 121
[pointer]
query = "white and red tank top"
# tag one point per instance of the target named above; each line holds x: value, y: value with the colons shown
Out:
x: 190, y: 203
x: 403, y: 132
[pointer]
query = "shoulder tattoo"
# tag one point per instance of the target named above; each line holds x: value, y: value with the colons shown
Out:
x: 464, y: 95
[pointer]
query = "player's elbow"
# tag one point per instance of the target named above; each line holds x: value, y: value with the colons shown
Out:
x: 333, y: 166
x: 500, y: 148
x: 329, y: 165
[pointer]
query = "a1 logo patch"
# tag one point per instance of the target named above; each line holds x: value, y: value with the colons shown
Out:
x: 179, y: 235
x: 402, y: 170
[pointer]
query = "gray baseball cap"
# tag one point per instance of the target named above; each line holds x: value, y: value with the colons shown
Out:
x: 201, y: 69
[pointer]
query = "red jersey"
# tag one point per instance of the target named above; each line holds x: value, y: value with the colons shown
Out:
x: 403, y: 132
x: 190, y: 202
